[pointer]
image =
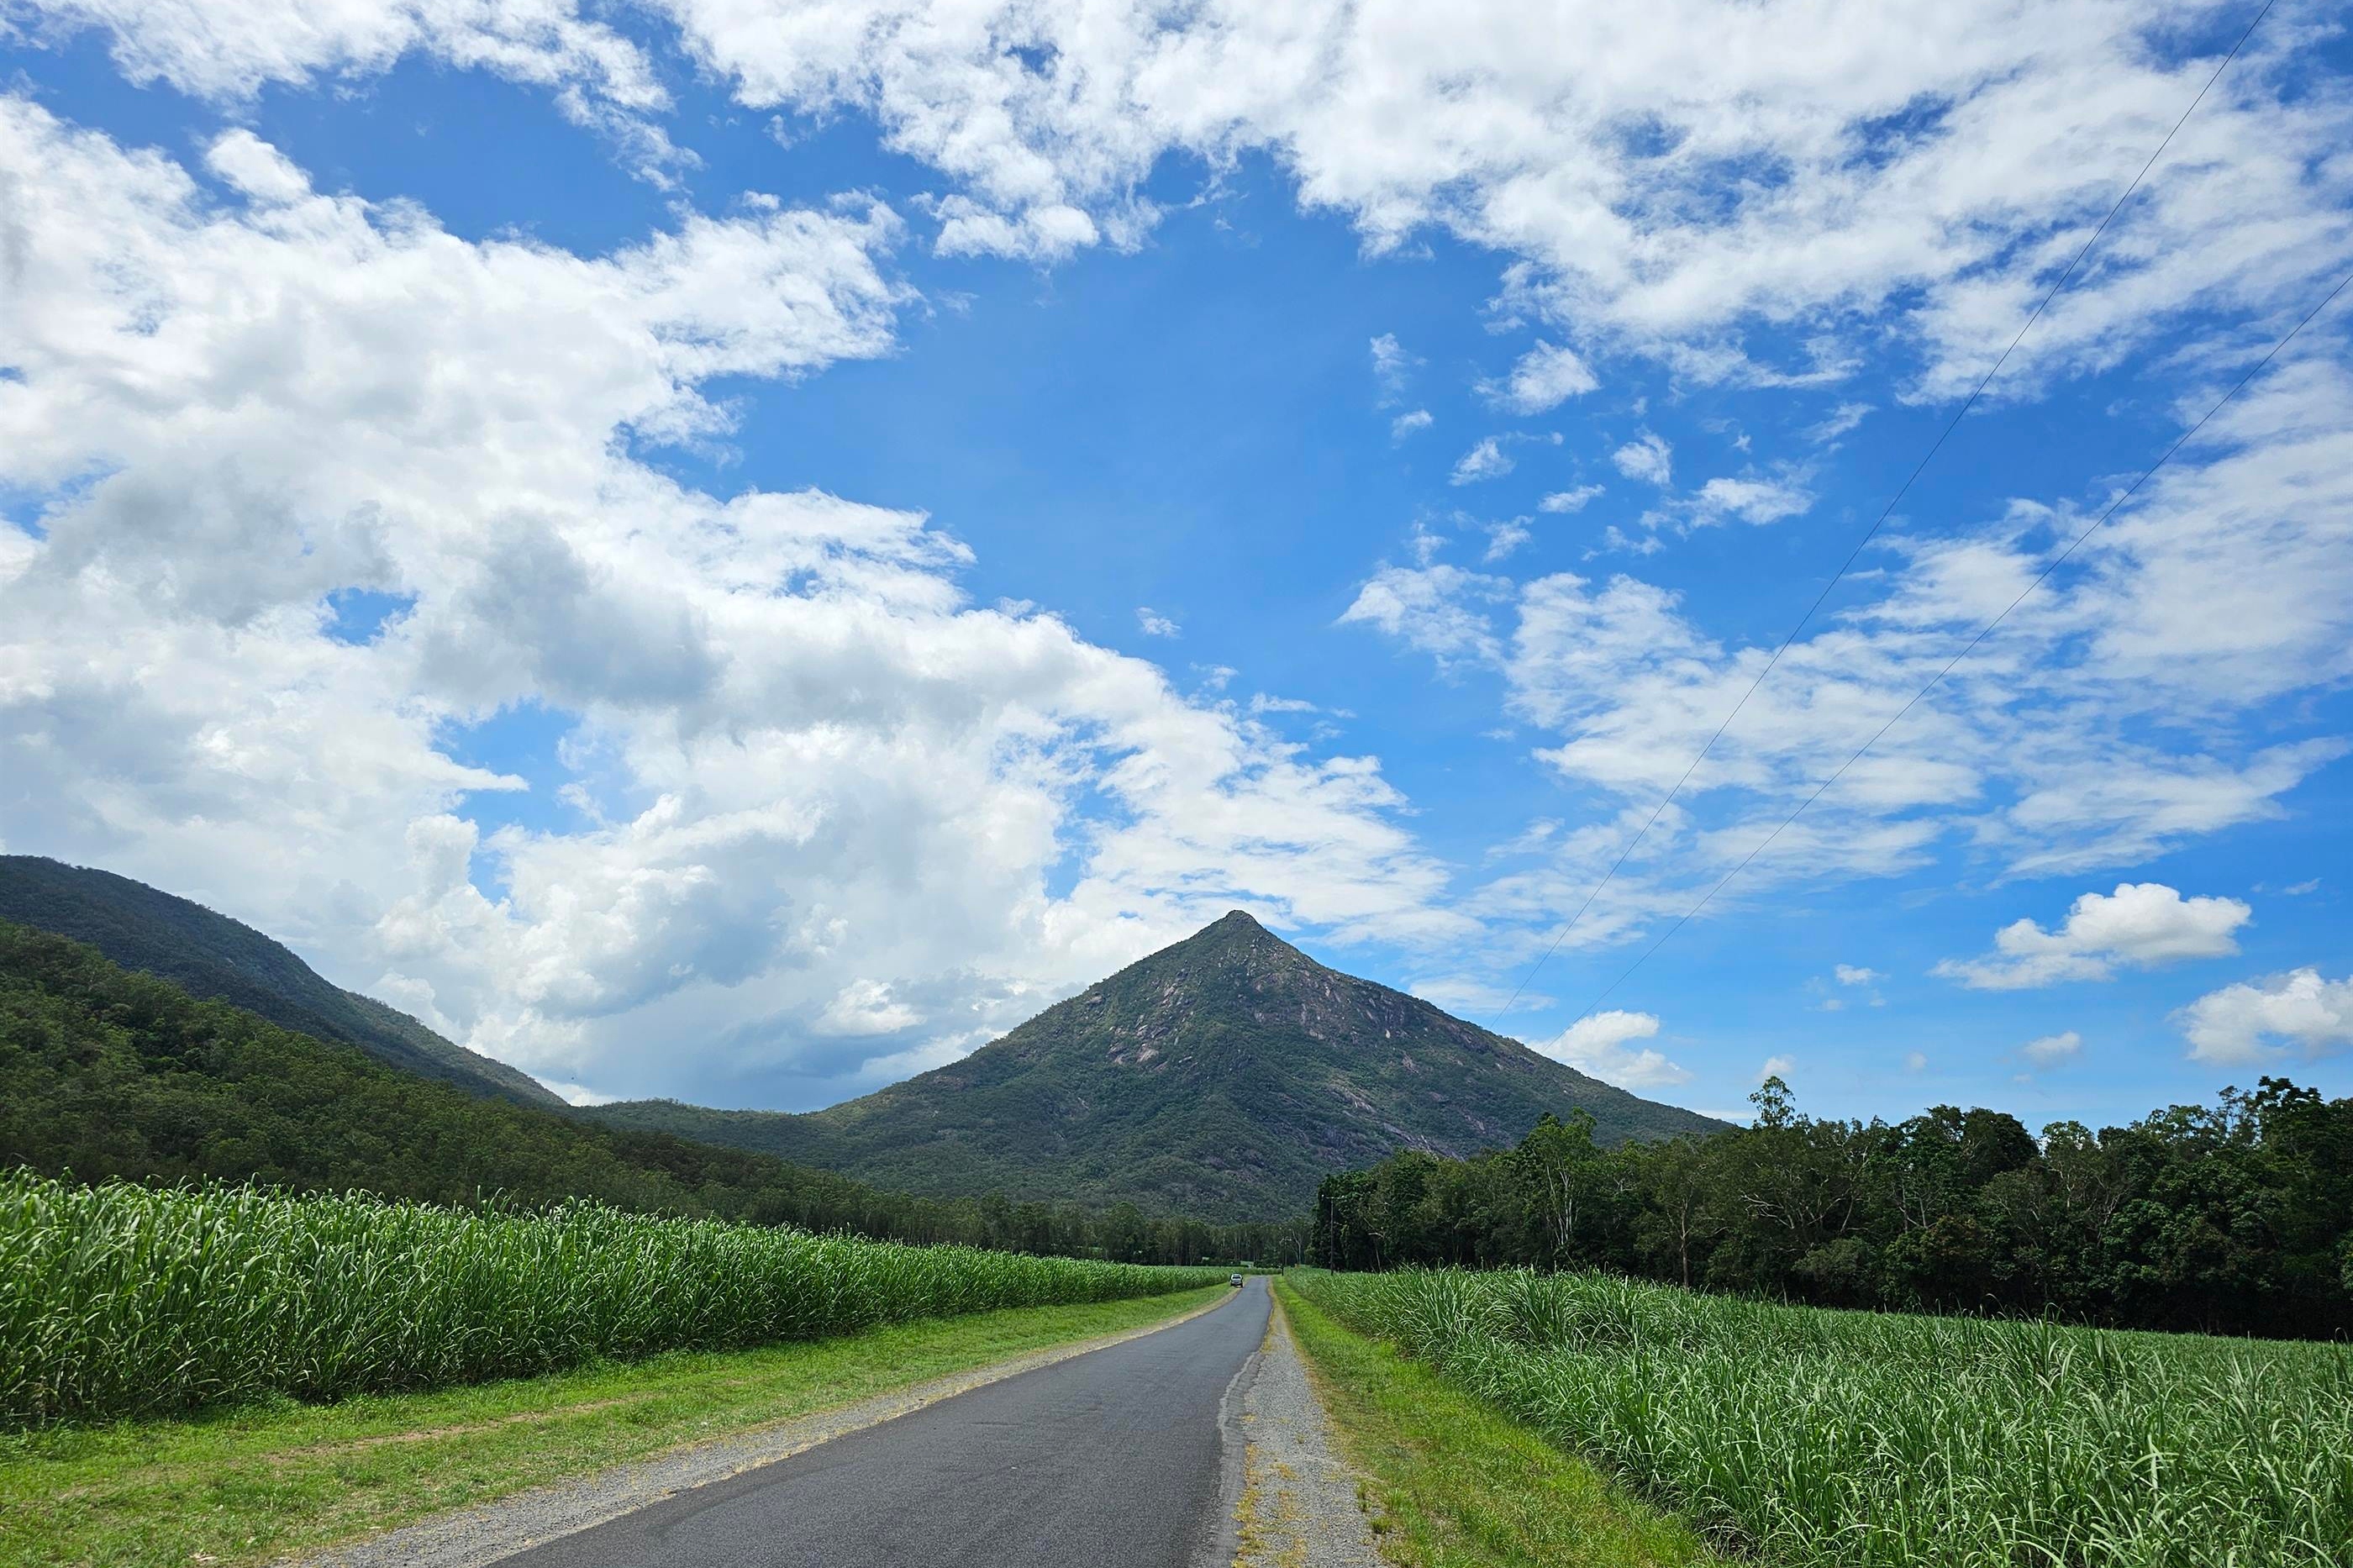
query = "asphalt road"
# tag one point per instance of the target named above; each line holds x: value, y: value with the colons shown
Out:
x: 1113, y: 1459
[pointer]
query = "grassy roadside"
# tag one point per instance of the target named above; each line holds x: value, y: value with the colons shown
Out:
x: 1452, y: 1483
x: 256, y: 1483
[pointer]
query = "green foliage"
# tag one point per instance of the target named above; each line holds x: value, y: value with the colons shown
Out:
x: 1222, y: 1077
x: 2236, y: 1219
x: 107, y: 1073
x: 125, y: 1300
x: 209, y: 955
x: 280, y: 1481
x: 1458, y: 1485
x: 1825, y: 1439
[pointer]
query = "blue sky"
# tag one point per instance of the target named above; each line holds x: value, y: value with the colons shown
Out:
x: 738, y: 552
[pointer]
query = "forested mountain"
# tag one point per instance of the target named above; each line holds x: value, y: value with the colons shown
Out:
x: 211, y: 955
x: 1222, y: 1077
x: 2235, y: 1219
x: 106, y: 1073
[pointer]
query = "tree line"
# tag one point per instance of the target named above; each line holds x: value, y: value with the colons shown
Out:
x: 2232, y: 1218
x: 106, y: 1073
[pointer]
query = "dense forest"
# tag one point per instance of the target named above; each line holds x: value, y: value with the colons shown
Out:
x: 106, y: 1073
x: 2235, y: 1219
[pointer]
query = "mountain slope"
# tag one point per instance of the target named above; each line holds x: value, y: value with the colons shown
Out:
x: 110, y: 1074
x: 211, y: 955
x: 1222, y: 1077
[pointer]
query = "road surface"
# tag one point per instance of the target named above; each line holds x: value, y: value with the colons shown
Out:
x: 1114, y: 1459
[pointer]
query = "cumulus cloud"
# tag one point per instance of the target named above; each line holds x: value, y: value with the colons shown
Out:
x: 1155, y: 624
x: 1647, y: 458
x: 1855, y: 974
x: 1777, y: 1067
x: 806, y: 798
x: 1545, y: 377
x: 2142, y: 924
x: 2259, y: 1021
x: 1598, y: 1046
x: 1487, y: 460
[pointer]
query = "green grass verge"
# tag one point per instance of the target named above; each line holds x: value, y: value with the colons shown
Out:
x: 259, y: 1482
x: 1455, y: 1485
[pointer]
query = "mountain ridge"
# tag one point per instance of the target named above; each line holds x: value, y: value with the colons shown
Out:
x: 213, y: 957
x: 1222, y: 1077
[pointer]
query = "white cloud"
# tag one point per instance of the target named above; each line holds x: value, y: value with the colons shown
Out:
x: 1545, y: 377
x: 1487, y: 460
x: 2251, y: 1023
x: 1649, y: 457
x: 2050, y: 1050
x: 1392, y: 367
x: 1916, y: 1061
x: 2298, y: 889
x: 1431, y: 608
x: 1410, y: 423
x: 2101, y: 725
x: 1628, y: 195
x: 1855, y: 974
x: 578, y: 1093
x: 1155, y: 625
x: 230, y: 52
x: 1749, y: 499
x: 1841, y: 419
x: 805, y: 787
x: 1597, y: 1045
x: 2141, y: 923
x: 1504, y: 538
x: 1777, y: 1067
x: 1572, y: 500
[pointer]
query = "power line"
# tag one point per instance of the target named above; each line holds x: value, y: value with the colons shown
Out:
x: 1855, y: 554
x: 1984, y: 632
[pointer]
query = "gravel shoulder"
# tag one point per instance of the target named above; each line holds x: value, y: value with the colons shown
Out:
x: 478, y: 1536
x: 1299, y: 1505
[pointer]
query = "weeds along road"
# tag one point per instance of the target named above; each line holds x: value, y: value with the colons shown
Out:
x: 1113, y: 1459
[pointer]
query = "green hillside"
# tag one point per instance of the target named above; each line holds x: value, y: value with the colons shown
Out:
x: 211, y: 955
x: 108, y: 1073
x: 1222, y: 1077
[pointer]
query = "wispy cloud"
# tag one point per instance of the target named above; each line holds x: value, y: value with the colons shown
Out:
x: 1487, y: 460
x: 1545, y: 377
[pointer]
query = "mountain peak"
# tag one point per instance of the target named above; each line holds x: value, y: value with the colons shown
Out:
x: 1222, y: 1077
